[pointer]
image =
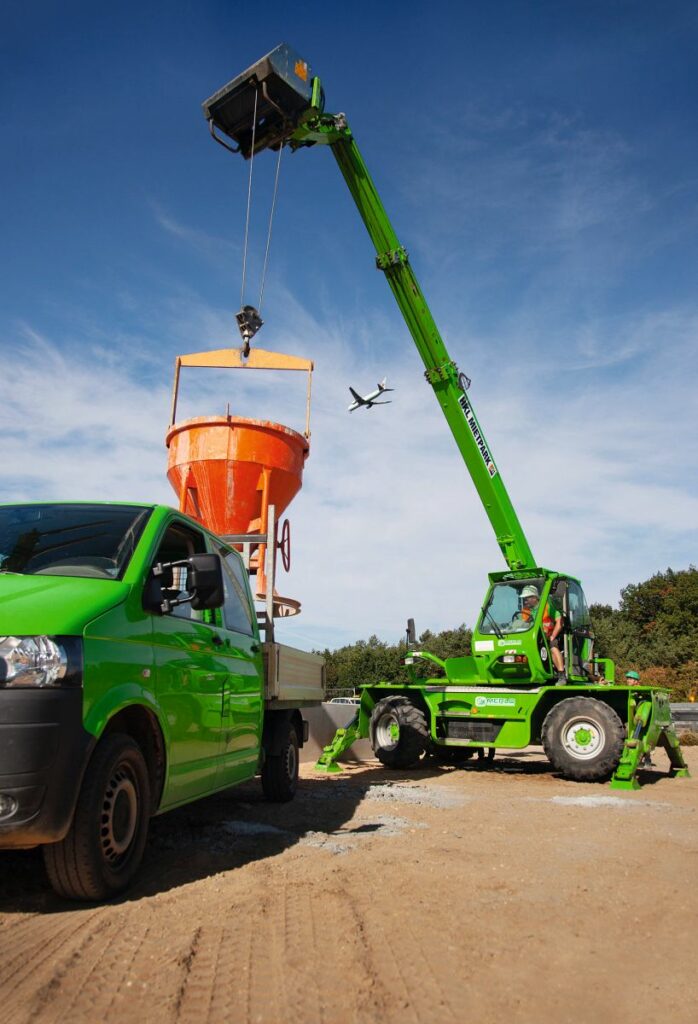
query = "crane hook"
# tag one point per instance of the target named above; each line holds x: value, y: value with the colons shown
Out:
x: 249, y: 322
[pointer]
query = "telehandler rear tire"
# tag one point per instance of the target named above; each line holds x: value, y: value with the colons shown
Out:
x: 583, y: 739
x: 398, y: 732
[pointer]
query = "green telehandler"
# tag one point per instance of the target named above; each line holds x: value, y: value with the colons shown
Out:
x: 532, y: 676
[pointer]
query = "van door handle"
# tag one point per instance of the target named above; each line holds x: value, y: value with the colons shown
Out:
x: 255, y: 648
x: 216, y: 639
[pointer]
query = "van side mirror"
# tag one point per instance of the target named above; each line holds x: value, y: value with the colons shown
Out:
x: 204, y: 584
x: 205, y: 581
x: 411, y: 633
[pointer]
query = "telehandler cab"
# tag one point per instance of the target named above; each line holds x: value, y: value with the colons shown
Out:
x: 507, y: 693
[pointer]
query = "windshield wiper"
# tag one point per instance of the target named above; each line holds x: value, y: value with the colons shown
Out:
x: 494, y: 623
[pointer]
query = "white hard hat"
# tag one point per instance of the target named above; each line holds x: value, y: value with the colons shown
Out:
x: 529, y: 591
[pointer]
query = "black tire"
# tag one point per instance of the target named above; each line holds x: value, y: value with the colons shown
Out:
x: 280, y: 771
x: 398, y: 732
x: 104, y: 846
x: 583, y: 739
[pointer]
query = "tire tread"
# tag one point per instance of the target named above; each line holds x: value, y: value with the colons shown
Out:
x: 414, y: 732
x: 600, y: 768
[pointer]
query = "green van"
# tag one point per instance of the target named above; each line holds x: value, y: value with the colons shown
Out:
x: 132, y: 680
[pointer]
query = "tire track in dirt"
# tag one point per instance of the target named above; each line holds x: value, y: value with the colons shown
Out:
x: 32, y: 969
x: 240, y: 970
x: 447, y: 920
x: 278, y: 957
x: 92, y: 980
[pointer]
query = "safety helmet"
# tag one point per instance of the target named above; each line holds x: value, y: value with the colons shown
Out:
x: 633, y: 675
x: 529, y: 591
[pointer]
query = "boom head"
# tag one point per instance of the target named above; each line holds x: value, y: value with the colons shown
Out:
x: 281, y: 86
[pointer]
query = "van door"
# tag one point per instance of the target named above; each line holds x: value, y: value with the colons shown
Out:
x: 243, y: 689
x: 191, y: 667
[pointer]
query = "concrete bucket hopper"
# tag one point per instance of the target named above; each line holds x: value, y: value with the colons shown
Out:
x: 237, y: 475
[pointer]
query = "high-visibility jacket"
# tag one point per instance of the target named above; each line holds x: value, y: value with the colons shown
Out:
x: 548, y: 620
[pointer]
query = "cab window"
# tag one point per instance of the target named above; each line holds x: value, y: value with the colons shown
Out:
x: 179, y: 543
x: 579, y: 613
x: 237, y: 611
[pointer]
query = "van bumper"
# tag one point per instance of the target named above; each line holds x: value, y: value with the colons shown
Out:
x: 43, y: 753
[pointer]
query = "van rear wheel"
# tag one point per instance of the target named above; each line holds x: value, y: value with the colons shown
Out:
x: 104, y: 846
x: 280, y: 771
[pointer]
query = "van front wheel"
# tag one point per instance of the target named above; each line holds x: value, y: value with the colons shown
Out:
x: 104, y: 846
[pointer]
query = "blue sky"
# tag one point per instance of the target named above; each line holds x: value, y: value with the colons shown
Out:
x: 539, y: 163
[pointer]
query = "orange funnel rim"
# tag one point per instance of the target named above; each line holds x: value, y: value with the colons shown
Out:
x: 236, y: 421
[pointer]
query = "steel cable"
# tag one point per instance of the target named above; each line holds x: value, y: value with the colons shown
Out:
x: 249, y: 203
x: 271, y: 220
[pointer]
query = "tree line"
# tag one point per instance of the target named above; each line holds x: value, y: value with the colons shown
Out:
x: 654, y: 631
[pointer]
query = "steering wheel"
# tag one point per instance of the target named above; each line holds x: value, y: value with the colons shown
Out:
x: 284, y: 545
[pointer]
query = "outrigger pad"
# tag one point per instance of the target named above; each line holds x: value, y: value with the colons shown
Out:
x: 282, y: 82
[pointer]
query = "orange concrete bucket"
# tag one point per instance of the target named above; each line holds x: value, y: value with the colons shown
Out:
x: 227, y: 470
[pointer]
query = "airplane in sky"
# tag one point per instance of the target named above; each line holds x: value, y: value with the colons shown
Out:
x: 368, y: 401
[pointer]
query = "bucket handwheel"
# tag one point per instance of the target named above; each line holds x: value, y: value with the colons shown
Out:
x: 284, y: 545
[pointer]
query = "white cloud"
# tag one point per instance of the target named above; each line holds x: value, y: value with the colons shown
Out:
x: 601, y: 468
x: 206, y: 244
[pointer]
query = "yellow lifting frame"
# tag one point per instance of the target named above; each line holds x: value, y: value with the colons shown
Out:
x: 232, y: 359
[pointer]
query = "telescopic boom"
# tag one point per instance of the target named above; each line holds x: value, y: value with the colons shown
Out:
x: 278, y: 102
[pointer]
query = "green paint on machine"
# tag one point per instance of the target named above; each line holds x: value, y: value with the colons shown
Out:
x: 117, y: 673
x: 515, y: 643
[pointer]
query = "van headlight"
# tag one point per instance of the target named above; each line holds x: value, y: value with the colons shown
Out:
x: 32, y: 661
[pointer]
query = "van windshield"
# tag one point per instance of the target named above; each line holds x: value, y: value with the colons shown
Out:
x: 69, y: 540
x: 512, y: 607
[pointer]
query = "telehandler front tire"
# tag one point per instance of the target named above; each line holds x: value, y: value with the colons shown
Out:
x: 583, y: 739
x: 104, y: 846
x: 398, y: 732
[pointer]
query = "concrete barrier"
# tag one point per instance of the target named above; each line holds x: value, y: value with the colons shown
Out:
x: 323, y: 722
x: 685, y: 716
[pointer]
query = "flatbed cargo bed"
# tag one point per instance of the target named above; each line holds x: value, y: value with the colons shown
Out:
x: 293, y: 678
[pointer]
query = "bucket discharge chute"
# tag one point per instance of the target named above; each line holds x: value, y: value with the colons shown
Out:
x: 229, y: 472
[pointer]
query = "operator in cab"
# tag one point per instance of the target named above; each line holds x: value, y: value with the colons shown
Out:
x: 552, y: 625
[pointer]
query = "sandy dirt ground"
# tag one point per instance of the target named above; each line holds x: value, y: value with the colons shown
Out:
x: 473, y: 894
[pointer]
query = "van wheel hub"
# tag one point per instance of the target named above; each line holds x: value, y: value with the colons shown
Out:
x: 119, y: 815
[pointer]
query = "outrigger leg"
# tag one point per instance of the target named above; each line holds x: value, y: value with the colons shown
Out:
x: 653, y: 727
x: 343, y: 739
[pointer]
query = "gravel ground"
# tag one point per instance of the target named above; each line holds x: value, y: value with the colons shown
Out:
x: 495, y: 893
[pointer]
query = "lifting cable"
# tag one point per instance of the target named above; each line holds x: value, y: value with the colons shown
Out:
x: 249, y: 202
x: 249, y: 319
x: 271, y: 221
